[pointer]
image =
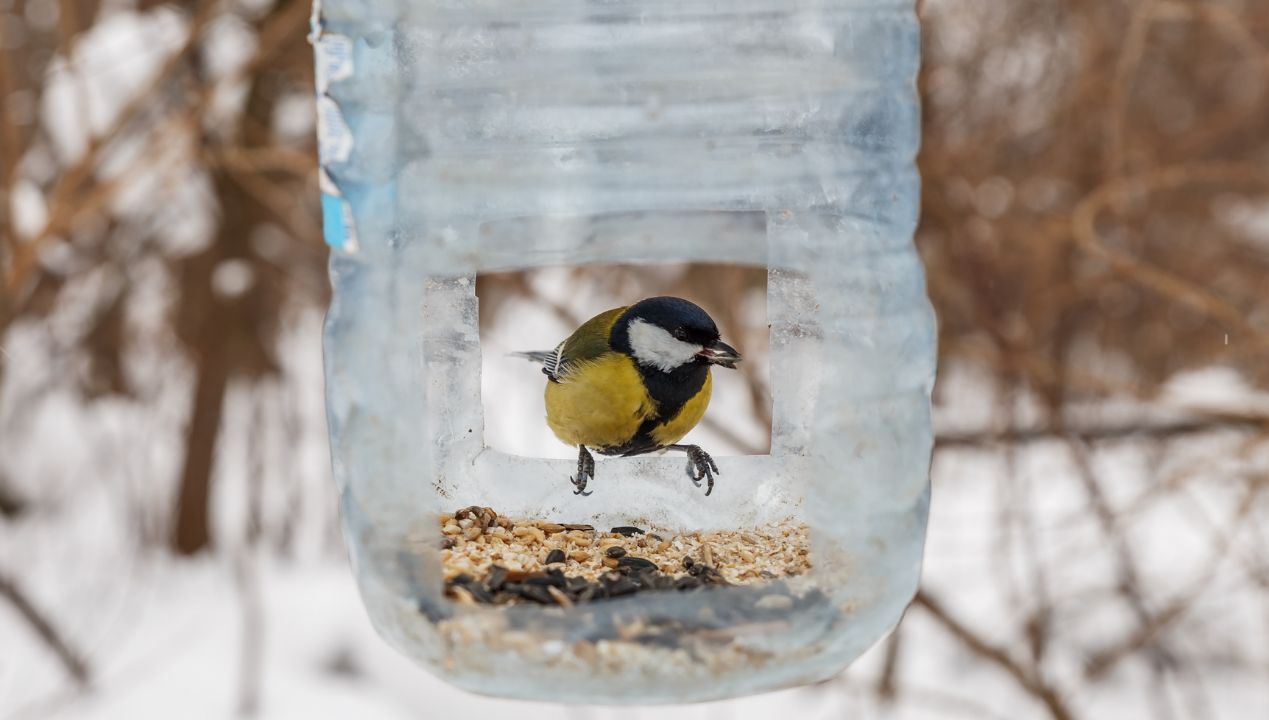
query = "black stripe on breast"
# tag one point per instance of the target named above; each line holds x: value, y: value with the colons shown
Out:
x: 671, y: 390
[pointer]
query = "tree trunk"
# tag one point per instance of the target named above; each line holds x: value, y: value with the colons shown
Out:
x: 192, y: 532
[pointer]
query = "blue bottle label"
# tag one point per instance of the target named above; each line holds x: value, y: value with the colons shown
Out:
x: 334, y: 63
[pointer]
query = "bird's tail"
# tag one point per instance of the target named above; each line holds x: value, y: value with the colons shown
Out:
x: 537, y: 356
x: 550, y: 360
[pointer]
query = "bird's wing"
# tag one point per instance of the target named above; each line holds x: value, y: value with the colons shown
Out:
x: 552, y: 362
x: 587, y: 343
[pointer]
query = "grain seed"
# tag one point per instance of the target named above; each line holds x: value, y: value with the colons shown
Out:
x: 559, y: 596
x: 462, y: 595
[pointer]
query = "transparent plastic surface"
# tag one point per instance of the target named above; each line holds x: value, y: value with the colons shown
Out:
x: 467, y: 136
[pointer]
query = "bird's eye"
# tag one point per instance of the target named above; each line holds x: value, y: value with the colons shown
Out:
x: 680, y: 334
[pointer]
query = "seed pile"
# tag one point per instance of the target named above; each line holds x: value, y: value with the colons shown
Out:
x: 552, y: 582
x: 491, y: 559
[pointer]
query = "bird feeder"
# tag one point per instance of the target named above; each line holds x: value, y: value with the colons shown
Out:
x: 467, y: 136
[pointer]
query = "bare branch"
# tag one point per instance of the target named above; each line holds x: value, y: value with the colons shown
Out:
x: 1027, y: 679
x: 1104, y: 433
x: 44, y: 629
x: 1229, y: 174
x: 64, y: 208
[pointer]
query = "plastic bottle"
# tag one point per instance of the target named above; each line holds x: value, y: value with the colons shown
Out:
x: 464, y: 136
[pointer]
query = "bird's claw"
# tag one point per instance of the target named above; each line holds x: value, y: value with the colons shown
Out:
x: 585, y: 472
x: 701, y: 467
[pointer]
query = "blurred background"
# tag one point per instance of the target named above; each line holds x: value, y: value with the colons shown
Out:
x: 1096, y: 233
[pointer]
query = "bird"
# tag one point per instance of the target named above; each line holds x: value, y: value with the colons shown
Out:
x: 634, y: 380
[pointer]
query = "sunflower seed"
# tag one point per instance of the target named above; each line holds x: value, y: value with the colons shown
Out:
x: 480, y: 592
x: 627, y: 530
x: 496, y: 578
x: 545, y: 579
x: 537, y: 593
x: 622, y: 587
x: 636, y: 563
x: 687, y: 583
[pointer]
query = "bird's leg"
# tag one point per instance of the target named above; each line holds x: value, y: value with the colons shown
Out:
x: 701, y: 465
x: 585, y: 470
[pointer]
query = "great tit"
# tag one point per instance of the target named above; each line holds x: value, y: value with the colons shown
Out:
x: 635, y: 380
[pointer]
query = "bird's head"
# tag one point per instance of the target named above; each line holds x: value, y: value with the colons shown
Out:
x: 668, y: 333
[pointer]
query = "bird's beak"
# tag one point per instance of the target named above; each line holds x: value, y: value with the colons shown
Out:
x: 719, y: 353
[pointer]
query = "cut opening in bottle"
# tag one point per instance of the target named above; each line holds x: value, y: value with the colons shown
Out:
x: 534, y: 310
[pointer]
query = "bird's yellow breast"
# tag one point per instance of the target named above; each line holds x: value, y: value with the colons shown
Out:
x: 603, y: 402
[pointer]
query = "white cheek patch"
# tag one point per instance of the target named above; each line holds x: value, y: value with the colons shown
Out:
x: 656, y: 347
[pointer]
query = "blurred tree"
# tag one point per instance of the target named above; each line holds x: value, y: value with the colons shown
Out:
x: 205, y: 126
x: 1093, y: 172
